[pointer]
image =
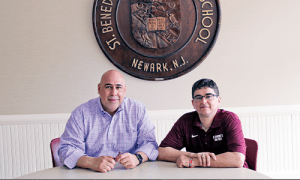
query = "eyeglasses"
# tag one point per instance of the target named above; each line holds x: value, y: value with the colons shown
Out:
x: 208, y: 97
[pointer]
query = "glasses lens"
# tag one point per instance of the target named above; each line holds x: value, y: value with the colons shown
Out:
x: 198, y: 98
x: 208, y: 97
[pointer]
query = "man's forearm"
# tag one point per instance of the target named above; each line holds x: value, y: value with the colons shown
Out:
x: 171, y: 154
x: 228, y: 159
x: 85, y: 162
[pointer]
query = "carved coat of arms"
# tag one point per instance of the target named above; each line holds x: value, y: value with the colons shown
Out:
x: 156, y: 39
x: 156, y: 24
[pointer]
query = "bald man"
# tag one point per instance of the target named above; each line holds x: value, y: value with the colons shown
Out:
x: 108, y: 129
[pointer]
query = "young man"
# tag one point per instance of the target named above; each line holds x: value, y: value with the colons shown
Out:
x: 212, y: 137
x: 108, y: 129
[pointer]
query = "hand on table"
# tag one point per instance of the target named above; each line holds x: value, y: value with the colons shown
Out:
x: 183, y: 161
x: 204, y: 158
x: 103, y: 164
x: 196, y: 159
x: 127, y: 160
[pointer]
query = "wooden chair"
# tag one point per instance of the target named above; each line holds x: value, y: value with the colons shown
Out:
x: 54, y: 152
x: 251, y: 153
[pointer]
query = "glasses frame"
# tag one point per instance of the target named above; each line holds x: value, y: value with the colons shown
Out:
x: 208, y: 97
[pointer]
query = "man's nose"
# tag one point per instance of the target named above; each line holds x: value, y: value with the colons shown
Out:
x: 114, y: 91
x: 203, y: 100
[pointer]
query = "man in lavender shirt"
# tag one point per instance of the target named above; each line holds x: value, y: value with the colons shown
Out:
x: 212, y: 137
x: 107, y: 130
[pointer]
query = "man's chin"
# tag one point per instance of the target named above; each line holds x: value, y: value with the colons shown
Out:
x: 205, y: 113
x: 114, y: 105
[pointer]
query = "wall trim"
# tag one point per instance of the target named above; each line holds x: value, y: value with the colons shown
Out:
x: 63, y: 117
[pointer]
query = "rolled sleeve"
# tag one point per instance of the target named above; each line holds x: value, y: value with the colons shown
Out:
x: 72, y: 146
x: 150, y: 150
x: 146, y: 136
x: 71, y: 160
x: 147, y: 144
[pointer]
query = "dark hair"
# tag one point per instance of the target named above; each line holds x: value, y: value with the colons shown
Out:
x: 203, y: 83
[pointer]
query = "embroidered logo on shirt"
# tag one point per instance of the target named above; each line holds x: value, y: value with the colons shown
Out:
x: 218, y: 137
x: 193, y: 136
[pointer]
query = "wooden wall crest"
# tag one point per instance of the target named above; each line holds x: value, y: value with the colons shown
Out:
x: 156, y: 24
x: 156, y: 39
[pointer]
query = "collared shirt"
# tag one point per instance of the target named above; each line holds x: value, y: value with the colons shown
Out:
x: 93, y: 132
x: 224, y: 135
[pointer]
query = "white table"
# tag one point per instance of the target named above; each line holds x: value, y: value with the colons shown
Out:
x: 147, y: 170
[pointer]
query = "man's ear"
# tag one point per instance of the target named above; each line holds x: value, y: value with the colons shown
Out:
x: 99, y: 88
x: 193, y: 103
x: 219, y: 99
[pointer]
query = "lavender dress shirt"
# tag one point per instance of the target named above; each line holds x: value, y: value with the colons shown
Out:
x: 93, y: 132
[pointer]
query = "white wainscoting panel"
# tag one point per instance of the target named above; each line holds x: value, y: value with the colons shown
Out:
x: 25, y: 139
x: 25, y: 142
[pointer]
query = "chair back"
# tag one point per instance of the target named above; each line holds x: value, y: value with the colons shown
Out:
x: 251, y: 153
x: 54, y: 152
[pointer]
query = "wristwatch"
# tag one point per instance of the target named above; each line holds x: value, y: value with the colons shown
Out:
x: 139, y: 157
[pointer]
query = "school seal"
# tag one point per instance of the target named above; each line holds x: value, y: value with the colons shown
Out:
x: 156, y: 39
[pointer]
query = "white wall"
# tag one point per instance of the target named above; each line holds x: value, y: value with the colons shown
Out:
x: 51, y: 62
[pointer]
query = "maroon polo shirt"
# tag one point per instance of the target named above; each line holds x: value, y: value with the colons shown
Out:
x: 224, y: 135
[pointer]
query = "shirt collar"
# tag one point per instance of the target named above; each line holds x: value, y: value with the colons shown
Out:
x: 100, y: 105
x: 122, y: 106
